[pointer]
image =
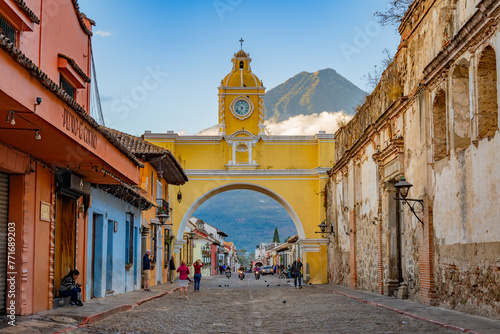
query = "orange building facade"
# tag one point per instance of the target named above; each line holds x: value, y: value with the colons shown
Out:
x: 51, y: 151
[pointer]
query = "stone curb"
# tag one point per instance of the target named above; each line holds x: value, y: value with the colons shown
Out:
x: 104, y: 314
x: 403, y: 312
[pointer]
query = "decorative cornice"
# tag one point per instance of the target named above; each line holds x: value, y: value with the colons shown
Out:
x: 256, y: 172
x: 77, y: 68
x: 395, y: 146
x: 394, y: 109
x: 24, y: 7
x: 477, y: 23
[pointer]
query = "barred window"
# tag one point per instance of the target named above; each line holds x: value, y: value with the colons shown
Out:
x: 8, y: 30
x: 67, y: 87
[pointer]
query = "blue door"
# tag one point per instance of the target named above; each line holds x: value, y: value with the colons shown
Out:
x: 97, y: 255
x: 109, y: 261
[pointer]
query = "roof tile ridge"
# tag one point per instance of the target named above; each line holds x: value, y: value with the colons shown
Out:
x: 7, y: 45
x: 81, y: 17
x: 24, y: 7
x: 76, y: 67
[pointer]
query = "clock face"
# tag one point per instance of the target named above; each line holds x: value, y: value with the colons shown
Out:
x: 241, y: 108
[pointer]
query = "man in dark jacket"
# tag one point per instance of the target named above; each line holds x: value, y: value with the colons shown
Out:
x: 146, y: 267
x: 297, y: 272
x: 171, y: 267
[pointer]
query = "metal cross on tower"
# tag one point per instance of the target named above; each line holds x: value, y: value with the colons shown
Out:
x: 241, y: 41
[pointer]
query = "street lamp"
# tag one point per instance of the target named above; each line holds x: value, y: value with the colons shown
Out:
x: 403, y: 187
x: 325, y: 228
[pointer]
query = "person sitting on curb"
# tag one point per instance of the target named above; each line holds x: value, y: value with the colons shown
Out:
x: 69, y: 288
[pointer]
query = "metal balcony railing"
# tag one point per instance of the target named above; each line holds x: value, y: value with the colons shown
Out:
x: 163, y: 206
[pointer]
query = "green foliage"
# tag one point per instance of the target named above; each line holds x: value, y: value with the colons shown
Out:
x: 276, y: 237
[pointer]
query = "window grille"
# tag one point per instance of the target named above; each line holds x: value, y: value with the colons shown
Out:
x: 129, y: 239
x: 8, y: 30
x: 66, y: 86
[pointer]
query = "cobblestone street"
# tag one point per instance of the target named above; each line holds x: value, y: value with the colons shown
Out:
x: 269, y: 305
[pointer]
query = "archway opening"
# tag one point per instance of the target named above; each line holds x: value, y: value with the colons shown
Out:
x: 439, y: 125
x: 487, y: 94
x: 254, y: 219
x: 461, y: 106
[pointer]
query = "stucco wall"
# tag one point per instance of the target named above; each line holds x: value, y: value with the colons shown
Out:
x: 113, y: 209
x: 442, y: 136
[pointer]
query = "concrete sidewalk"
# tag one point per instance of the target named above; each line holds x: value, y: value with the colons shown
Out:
x: 438, y: 315
x: 64, y: 319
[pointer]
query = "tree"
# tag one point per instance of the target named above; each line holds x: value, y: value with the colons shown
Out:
x: 396, y: 10
x: 276, y: 237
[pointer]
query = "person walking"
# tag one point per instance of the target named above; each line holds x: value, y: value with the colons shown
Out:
x: 297, y: 272
x: 171, y: 268
x: 183, y: 271
x: 197, y: 274
x: 146, y: 267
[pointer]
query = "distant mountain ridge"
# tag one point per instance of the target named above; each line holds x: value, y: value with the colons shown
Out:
x: 308, y: 93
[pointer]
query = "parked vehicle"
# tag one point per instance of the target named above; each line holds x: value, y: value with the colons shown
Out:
x: 267, y: 270
x: 284, y: 274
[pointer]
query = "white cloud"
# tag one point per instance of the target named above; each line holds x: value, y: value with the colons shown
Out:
x: 211, y: 131
x: 309, y: 124
x: 102, y: 33
x: 301, y: 125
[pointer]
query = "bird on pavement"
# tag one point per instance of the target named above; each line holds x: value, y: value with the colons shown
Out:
x: 283, y: 301
x: 265, y: 281
x: 278, y: 284
x: 220, y: 286
x: 267, y: 285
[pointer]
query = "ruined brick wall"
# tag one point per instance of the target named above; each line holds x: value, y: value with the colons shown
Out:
x: 469, y: 286
x: 433, y: 118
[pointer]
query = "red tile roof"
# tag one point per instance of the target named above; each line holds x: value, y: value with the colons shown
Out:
x: 161, y: 159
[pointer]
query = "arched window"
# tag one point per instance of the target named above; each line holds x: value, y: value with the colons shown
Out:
x: 439, y: 125
x: 487, y: 122
x: 242, y: 154
x: 461, y: 105
x: 242, y: 65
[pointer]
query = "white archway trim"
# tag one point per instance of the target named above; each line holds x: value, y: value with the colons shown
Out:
x: 237, y: 186
x: 311, y: 245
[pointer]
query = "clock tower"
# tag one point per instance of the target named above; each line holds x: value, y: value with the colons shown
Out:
x: 241, y: 99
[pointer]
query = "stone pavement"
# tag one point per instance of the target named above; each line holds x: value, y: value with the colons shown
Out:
x: 452, y: 319
x: 64, y: 318
x: 269, y: 305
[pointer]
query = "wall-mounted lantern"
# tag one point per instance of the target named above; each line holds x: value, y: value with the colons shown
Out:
x: 403, y: 188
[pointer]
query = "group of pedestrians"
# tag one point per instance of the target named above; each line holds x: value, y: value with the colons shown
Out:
x: 184, y: 272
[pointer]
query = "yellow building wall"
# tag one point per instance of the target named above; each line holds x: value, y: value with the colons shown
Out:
x: 149, y: 177
x: 290, y: 169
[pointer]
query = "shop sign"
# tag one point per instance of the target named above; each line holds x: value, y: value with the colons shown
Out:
x: 44, y: 211
x: 79, y: 128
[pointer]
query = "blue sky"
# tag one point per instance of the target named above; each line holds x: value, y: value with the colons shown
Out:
x: 159, y: 63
